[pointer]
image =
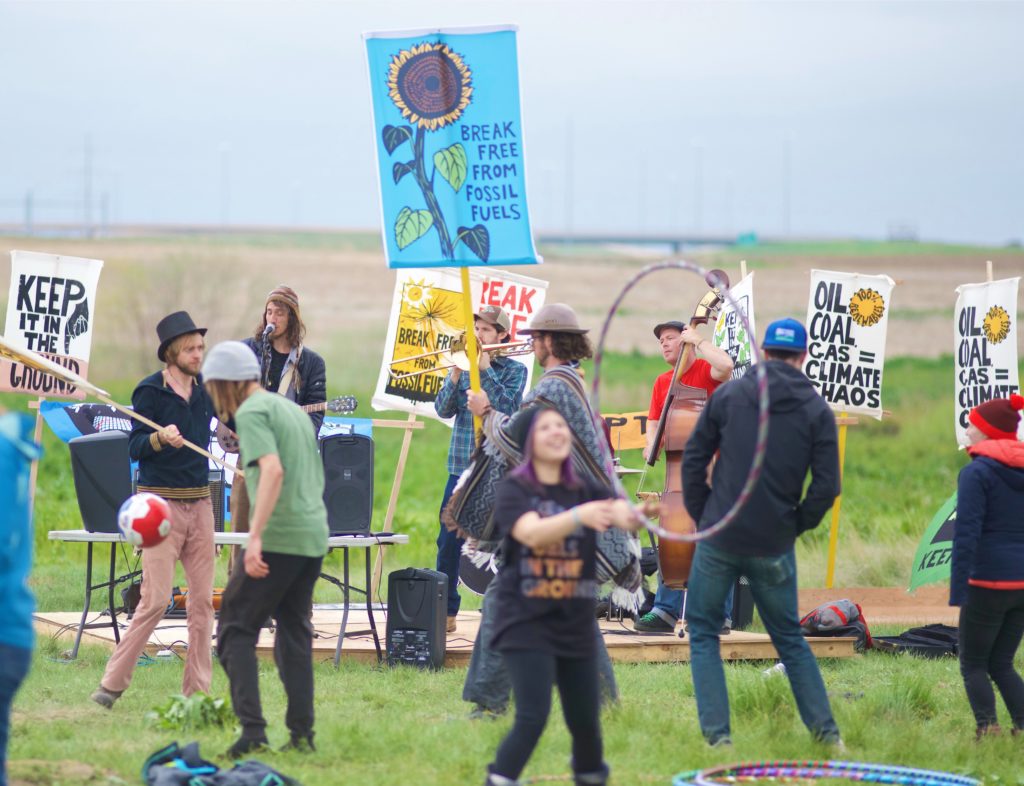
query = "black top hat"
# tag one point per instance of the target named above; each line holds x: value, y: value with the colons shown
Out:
x: 173, y: 325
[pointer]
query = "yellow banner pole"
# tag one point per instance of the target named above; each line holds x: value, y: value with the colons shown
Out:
x: 833, y: 536
x: 471, y: 348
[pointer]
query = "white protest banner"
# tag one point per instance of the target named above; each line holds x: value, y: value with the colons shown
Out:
x: 730, y: 333
x: 50, y: 310
x: 427, y: 315
x: 847, y: 317
x: 985, y: 331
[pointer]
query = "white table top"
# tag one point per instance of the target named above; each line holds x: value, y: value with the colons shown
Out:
x: 234, y: 538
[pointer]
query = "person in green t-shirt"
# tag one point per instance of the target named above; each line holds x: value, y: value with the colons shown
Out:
x: 287, y: 542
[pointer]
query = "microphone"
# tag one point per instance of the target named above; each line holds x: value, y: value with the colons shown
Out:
x: 268, y: 330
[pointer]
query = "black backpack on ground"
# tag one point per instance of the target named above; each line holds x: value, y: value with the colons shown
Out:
x: 929, y: 641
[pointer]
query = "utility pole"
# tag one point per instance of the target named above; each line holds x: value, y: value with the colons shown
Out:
x: 568, y: 181
x: 785, y: 188
x: 87, y: 188
x: 225, y: 185
x: 698, y: 186
x: 28, y: 212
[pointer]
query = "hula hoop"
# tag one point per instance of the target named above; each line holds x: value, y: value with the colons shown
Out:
x: 820, y: 770
x: 762, y: 405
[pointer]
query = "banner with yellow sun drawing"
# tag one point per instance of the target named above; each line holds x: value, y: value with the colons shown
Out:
x: 450, y: 147
x: 427, y: 315
x: 985, y: 331
x: 847, y: 318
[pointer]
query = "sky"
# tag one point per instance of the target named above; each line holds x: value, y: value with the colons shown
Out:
x: 785, y: 119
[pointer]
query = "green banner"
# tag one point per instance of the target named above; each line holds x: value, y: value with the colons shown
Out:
x: 934, y: 552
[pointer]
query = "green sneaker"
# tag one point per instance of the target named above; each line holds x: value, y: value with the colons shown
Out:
x: 653, y: 623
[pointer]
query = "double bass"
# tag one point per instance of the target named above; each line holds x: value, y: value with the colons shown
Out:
x: 683, y: 404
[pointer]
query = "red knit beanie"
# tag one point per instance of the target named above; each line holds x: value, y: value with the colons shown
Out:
x: 998, y: 418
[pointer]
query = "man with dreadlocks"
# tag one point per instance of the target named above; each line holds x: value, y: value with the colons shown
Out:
x: 559, y: 344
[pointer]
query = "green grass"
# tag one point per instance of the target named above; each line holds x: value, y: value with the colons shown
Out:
x: 379, y: 726
x: 389, y: 727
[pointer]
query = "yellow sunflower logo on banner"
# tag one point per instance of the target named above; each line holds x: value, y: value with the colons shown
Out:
x: 996, y: 324
x: 866, y: 307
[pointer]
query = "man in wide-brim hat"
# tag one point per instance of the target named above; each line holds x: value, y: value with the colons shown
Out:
x: 175, y: 398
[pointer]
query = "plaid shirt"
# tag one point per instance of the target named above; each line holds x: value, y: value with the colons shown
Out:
x: 503, y: 382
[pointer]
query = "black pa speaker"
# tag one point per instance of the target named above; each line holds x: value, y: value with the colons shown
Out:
x: 103, y: 477
x: 348, y: 482
x: 742, y: 605
x: 417, y: 609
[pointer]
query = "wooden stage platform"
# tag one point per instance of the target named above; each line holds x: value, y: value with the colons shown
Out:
x: 624, y: 645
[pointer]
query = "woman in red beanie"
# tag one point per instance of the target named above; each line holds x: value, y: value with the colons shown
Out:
x: 987, y: 578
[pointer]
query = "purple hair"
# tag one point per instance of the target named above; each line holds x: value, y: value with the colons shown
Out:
x: 525, y: 471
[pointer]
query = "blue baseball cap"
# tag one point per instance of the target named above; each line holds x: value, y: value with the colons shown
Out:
x: 785, y: 335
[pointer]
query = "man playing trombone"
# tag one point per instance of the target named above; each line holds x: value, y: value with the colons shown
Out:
x: 504, y: 380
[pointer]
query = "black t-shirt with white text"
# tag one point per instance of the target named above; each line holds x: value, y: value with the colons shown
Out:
x: 546, y: 596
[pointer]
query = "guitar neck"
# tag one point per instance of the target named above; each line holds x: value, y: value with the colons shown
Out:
x: 314, y: 407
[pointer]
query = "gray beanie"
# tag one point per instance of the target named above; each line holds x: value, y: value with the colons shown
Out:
x: 231, y: 361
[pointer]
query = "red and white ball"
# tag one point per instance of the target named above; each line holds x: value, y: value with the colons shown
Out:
x: 144, y: 519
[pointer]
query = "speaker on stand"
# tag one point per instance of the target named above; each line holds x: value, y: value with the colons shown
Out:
x: 417, y: 609
x: 348, y: 482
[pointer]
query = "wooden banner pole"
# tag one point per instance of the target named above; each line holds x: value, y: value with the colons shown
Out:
x: 396, y: 484
x: 988, y: 269
x: 33, y: 474
x: 743, y: 269
x: 471, y: 346
x: 833, y: 536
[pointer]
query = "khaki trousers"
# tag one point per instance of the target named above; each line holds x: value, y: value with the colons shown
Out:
x: 191, y: 541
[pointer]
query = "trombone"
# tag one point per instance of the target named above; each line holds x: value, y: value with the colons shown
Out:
x: 459, y: 358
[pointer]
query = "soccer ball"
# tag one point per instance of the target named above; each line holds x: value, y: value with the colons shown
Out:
x: 144, y: 519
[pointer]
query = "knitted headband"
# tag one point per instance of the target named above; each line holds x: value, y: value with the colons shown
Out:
x: 287, y: 295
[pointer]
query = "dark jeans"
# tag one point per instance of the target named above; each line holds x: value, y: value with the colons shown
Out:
x: 449, y: 551
x: 991, y: 628
x: 287, y: 596
x: 773, y: 585
x: 14, y: 665
x: 487, y: 680
x: 533, y: 675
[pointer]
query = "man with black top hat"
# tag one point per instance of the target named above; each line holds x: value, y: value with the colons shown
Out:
x: 175, y: 398
x: 759, y: 543
x: 504, y: 380
x: 707, y: 372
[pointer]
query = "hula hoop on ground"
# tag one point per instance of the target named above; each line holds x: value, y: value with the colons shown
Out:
x: 762, y: 403
x: 820, y: 770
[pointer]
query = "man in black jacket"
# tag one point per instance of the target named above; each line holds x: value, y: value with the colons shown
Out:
x: 759, y: 543
x: 286, y: 367
x: 175, y: 398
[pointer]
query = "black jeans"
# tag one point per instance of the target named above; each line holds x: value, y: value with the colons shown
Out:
x: 533, y: 674
x: 287, y: 596
x: 991, y: 627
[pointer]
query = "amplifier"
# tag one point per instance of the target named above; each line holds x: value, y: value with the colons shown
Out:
x: 417, y: 609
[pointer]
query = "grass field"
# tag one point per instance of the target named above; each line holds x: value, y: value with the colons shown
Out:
x: 383, y: 727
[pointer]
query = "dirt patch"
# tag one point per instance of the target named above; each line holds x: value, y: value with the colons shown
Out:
x: 39, y: 772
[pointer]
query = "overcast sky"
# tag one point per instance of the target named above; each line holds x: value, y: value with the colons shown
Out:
x: 638, y: 116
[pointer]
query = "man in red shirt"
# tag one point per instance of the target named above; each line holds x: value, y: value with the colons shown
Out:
x: 707, y: 372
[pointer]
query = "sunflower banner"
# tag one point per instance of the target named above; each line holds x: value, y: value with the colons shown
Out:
x: 985, y: 334
x: 427, y: 315
x: 847, y: 317
x: 450, y: 147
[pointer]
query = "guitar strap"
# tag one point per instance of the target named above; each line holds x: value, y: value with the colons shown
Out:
x: 291, y: 372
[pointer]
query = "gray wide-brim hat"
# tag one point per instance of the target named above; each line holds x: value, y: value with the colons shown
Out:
x: 231, y: 361
x: 554, y: 318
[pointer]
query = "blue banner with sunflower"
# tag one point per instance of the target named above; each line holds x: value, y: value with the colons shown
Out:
x: 450, y: 147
